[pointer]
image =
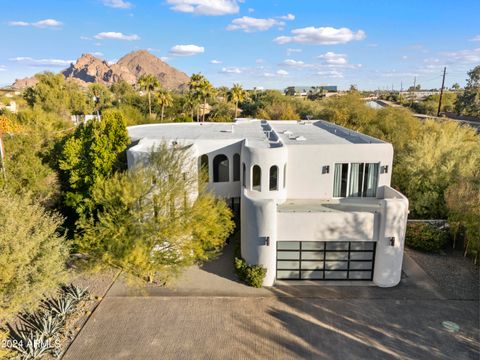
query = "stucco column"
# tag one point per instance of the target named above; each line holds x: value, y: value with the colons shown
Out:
x: 390, y: 245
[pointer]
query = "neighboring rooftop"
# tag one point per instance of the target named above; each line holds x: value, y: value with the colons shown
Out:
x: 259, y: 133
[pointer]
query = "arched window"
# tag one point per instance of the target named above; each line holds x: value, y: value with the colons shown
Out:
x: 273, y: 178
x: 284, y: 176
x: 244, y: 175
x: 220, y: 168
x: 236, y: 167
x: 257, y: 178
x: 203, y: 164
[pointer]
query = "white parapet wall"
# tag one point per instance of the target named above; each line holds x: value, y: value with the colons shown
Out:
x: 391, y: 243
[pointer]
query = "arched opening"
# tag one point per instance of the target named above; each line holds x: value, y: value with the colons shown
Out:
x: 273, y: 178
x: 236, y: 167
x: 244, y: 175
x: 220, y: 168
x: 257, y: 178
x: 203, y: 165
x: 284, y: 176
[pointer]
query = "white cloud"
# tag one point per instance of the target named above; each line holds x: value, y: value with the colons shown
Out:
x: 205, y: 7
x: 18, y: 23
x: 282, y: 72
x: 250, y: 24
x: 97, y: 53
x: 111, y: 62
x: 475, y: 38
x: 46, y: 23
x: 404, y: 57
x: 334, y: 59
x: 231, y: 70
x: 112, y: 35
x: 321, y: 36
x: 3, y: 68
x: 215, y: 62
x: 118, y: 4
x: 290, y: 51
x: 186, y: 50
x: 26, y: 60
x: 259, y: 61
x: 291, y: 62
x: 463, y: 56
x: 164, y: 58
x: 289, y: 17
x: 334, y: 74
x: 251, y: 10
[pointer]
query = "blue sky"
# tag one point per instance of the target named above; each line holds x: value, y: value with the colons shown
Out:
x: 270, y: 44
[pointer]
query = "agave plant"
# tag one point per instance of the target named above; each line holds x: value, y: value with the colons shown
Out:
x: 28, y: 344
x: 75, y: 292
x: 45, y: 323
x: 60, y: 307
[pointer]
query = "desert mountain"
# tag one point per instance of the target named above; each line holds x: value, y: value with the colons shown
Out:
x: 142, y: 62
x: 90, y: 69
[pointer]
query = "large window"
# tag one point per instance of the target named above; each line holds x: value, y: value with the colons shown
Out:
x: 236, y: 167
x: 340, y: 180
x: 257, y: 178
x: 273, y: 178
x: 355, y: 180
x: 220, y: 168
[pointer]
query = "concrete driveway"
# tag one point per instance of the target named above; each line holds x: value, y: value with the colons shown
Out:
x: 210, y: 317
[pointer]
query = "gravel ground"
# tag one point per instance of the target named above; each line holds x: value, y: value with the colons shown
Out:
x: 456, y: 275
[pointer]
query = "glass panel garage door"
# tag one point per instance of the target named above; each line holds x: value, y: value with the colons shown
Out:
x: 325, y: 260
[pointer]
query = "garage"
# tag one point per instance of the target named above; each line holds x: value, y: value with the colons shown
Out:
x: 325, y: 260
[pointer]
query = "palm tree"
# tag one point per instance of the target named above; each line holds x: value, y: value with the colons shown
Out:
x: 165, y: 100
x: 201, y: 88
x: 237, y: 94
x: 194, y: 95
x: 148, y: 83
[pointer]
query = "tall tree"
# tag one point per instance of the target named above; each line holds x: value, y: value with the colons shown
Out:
x: 237, y: 94
x: 468, y: 103
x: 90, y: 154
x: 201, y: 88
x: 148, y: 83
x: 155, y: 220
x: 165, y: 100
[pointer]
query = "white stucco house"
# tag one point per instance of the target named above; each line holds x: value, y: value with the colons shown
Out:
x: 315, y: 198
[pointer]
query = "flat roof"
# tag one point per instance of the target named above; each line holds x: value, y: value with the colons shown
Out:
x: 258, y: 133
x: 370, y: 205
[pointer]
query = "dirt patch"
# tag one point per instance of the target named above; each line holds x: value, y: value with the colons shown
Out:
x: 456, y: 275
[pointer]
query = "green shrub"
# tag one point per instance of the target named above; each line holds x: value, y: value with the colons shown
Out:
x: 252, y: 275
x: 425, y: 237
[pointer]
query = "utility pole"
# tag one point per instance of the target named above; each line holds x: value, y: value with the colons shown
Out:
x: 441, y: 91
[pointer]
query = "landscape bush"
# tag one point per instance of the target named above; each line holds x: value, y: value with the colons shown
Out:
x: 252, y: 275
x: 425, y: 237
x: 36, y: 334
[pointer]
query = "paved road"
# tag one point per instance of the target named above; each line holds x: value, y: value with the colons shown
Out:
x: 412, y: 321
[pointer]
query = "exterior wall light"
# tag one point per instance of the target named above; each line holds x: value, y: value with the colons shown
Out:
x: 266, y: 240
x: 326, y: 169
x: 392, y: 241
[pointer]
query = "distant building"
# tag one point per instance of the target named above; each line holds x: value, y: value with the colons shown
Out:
x: 11, y: 106
x: 310, y: 90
